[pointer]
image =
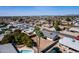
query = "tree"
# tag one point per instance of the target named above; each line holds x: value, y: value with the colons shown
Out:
x: 68, y: 19
x: 49, y: 21
x: 17, y: 31
x: 68, y: 24
x: 53, y: 23
x: 39, y: 35
x: 17, y: 38
x: 7, y: 39
x: 56, y: 25
x: 3, y: 24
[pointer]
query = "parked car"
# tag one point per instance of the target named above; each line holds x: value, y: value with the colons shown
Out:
x: 77, y: 38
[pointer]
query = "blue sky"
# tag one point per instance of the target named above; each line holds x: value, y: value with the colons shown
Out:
x: 38, y: 10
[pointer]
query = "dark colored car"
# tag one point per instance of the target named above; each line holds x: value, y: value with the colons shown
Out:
x: 77, y: 38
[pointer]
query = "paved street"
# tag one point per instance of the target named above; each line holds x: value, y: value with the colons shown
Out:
x: 64, y: 34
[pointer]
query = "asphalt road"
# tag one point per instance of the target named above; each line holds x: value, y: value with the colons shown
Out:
x: 64, y: 34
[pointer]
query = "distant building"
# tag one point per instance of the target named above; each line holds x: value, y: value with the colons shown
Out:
x: 1, y: 37
x: 74, y: 29
x: 28, y: 30
x: 76, y: 22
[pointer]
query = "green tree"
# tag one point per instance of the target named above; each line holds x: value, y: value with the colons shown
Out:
x: 52, y: 22
x: 68, y: 19
x: 18, y: 38
x: 56, y: 25
x: 49, y: 21
x: 7, y: 39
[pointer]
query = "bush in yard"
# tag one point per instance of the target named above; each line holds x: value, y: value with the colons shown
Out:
x: 17, y: 38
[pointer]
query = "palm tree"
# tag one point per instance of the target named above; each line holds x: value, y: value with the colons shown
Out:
x: 56, y: 25
x: 53, y: 23
x: 68, y: 23
x: 39, y: 35
x: 49, y: 21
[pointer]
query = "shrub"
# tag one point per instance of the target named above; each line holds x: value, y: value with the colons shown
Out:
x: 18, y: 38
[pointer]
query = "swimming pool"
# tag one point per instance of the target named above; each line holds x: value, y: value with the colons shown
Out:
x: 55, y: 50
x: 26, y: 51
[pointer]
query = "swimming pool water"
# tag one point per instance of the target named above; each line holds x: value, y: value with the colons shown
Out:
x: 55, y: 50
x: 26, y: 51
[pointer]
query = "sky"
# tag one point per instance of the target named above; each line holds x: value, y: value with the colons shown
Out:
x: 38, y: 10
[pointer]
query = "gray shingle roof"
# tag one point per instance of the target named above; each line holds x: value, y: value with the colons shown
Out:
x: 7, y: 48
x: 51, y: 35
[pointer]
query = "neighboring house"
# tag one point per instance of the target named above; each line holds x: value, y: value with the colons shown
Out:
x: 1, y: 37
x: 50, y: 35
x: 76, y: 22
x: 9, y: 25
x: 13, y: 29
x: 70, y: 43
x: 63, y: 22
x: 74, y: 29
x: 51, y: 29
x: 7, y: 32
x: 28, y: 30
x: 1, y: 31
x: 7, y: 48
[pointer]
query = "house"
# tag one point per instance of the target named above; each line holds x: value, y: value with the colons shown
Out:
x: 1, y: 37
x: 74, y: 29
x: 70, y: 42
x: 64, y: 22
x: 28, y: 30
x: 7, y: 48
x: 76, y: 22
x: 50, y: 35
x: 7, y: 32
